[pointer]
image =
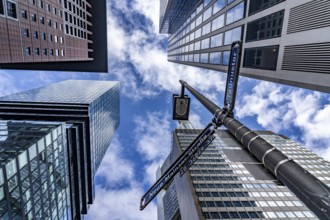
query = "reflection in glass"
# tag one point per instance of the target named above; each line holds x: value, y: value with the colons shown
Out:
x: 206, y: 43
x: 218, y: 5
x: 204, y: 58
x: 215, y: 58
x: 235, y: 13
x: 225, y: 58
x: 218, y: 22
x: 233, y: 35
x: 216, y: 40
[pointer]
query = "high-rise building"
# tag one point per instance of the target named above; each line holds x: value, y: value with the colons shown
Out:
x: 65, y: 35
x: 34, y: 180
x: 90, y: 110
x: 283, y: 41
x: 227, y: 182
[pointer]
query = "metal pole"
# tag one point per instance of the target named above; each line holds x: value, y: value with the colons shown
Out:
x: 310, y: 190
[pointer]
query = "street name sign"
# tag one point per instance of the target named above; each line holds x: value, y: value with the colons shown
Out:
x: 204, y: 137
x: 232, y: 76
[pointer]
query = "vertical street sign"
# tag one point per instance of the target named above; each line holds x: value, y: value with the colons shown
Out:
x: 232, y: 77
x: 202, y: 141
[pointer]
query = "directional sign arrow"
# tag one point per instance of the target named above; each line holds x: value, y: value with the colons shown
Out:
x: 176, y: 166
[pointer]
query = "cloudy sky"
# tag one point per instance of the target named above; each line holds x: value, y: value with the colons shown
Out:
x: 138, y: 59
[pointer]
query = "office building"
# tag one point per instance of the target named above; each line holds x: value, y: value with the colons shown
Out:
x: 33, y: 171
x: 227, y: 182
x: 62, y: 35
x: 283, y: 41
x: 90, y: 110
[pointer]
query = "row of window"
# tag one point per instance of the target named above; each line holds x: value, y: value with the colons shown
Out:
x: 44, y: 52
x: 73, y: 31
x: 258, y: 58
x: 76, y: 11
x: 220, y: 58
x: 69, y: 5
x: 234, y: 185
x: 51, y: 38
x: 232, y: 215
x: 227, y: 204
x: 234, y: 14
x: 48, y: 7
x: 248, y: 215
x: 222, y: 194
x: 244, y: 194
x: 214, y: 41
x: 42, y: 20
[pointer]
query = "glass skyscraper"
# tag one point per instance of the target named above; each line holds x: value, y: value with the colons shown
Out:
x: 279, y: 37
x: 226, y: 182
x: 90, y: 110
x: 33, y: 171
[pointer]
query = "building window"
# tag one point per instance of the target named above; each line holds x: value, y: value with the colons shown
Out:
x: 41, y: 4
x: 42, y: 20
x: 218, y: 5
x: 26, y: 32
x: 36, y: 51
x: 225, y: 58
x: 62, y: 53
x: 264, y: 28
x: 261, y: 57
x: 49, y: 22
x: 204, y: 58
x: 207, y: 14
x: 205, y: 43
x: 216, y: 40
x: 35, y: 34
x: 259, y: 5
x: 43, y: 35
x: 34, y: 17
x: 51, y: 52
x: 11, y: 9
x: 28, y: 51
x: 215, y: 58
x: 48, y: 7
x: 44, y: 52
x: 2, y: 10
x: 233, y: 35
x: 50, y: 37
x: 206, y: 28
x: 24, y: 14
x: 57, y: 52
x: 218, y: 22
x: 235, y: 14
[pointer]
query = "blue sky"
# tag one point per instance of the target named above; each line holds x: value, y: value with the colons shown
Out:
x: 138, y: 59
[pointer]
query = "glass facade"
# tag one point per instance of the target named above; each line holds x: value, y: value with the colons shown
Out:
x: 91, y: 108
x: 204, y: 30
x: 267, y: 27
x: 259, y: 5
x: 261, y: 57
x: 33, y: 171
x: 227, y: 183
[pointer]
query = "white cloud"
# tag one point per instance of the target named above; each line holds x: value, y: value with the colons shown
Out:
x: 113, y: 200
x: 116, y: 169
x: 153, y: 136
x: 280, y: 109
x: 120, y: 204
x: 147, y: 60
x: 7, y: 85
